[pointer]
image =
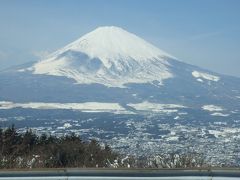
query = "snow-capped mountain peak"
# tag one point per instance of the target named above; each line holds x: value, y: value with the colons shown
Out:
x: 112, y: 43
x: 109, y: 56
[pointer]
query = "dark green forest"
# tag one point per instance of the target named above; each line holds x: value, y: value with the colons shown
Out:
x: 31, y: 151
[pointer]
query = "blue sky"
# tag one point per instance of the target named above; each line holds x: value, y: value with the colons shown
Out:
x: 204, y: 33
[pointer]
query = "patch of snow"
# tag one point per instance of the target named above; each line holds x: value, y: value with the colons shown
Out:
x: 231, y: 130
x: 200, y: 80
x: 212, y: 108
x: 155, y: 107
x: 85, y: 107
x: 220, y: 123
x: 177, y: 117
x: 21, y: 70
x: 6, y: 105
x: 204, y: 75
x: 182, y: 113
x: 67, y: 125
x: 216, y: 133
x: 225, y: 132
x: 220, y: 114
x: 124, y: 159
x: 172, y: 138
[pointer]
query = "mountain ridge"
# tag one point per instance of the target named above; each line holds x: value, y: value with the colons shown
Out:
x: 110, y: 56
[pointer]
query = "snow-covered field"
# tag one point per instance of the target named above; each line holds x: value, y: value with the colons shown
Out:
x: 225, y: 132
x: 85, y: 107
x: 96, y: 107
x: 215, y: 110
x: 201, y: 75
x: 219, y: 114
x: 212, y: 108
x: 155, y: 107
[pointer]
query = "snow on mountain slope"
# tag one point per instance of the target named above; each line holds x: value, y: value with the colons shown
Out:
x: 111, y: 43
x: 110, y: 56
x: 206, y: 76
x: 212, y: 108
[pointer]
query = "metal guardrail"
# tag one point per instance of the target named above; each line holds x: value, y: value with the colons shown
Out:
x: 120, y: 174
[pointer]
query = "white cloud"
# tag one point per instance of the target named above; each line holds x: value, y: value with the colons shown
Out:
x: 41, y: 54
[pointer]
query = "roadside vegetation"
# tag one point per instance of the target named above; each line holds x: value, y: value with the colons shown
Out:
x: 29, y: 150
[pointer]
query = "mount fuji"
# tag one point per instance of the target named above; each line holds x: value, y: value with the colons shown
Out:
x: 110, y: 56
